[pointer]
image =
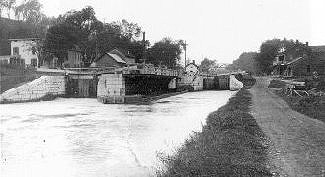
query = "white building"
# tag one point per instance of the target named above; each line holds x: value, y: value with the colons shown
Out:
x: 192, y: 77
x: 25, y: 50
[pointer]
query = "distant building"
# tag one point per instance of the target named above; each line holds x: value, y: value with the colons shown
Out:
x: 5, y: 59
x: 191, y: 77
x: 291, y: 65
x: 24, y: 51
x: 114, y: 58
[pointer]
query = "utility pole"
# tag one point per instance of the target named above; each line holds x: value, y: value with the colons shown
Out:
x: 144, y: 57
x: 184, y: 47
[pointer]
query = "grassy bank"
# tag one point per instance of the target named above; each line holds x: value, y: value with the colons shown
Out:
x: 312, y: 105
x: 12, y: 76
x: 230, y: 144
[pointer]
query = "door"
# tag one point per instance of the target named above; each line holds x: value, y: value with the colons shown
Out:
x: 83, y: 86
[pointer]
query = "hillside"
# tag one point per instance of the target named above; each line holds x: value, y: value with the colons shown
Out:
x: 14, y: 29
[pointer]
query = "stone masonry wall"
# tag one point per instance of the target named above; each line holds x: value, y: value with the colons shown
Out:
x: 111, y: 88
x: 35, y: 90
x: 235, y: 84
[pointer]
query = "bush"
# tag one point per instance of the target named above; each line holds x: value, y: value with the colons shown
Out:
x: 312, y: 106
x: 277, y: 84
x: 246, y: 79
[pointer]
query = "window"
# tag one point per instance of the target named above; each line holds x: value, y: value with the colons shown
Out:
x: 308, y: 68
x: 34, y: 62
x: 15, y: 51
x: 33, y: 50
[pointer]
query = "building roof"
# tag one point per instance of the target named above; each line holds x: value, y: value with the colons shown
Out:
x: 191, y: 64
x: 116, y: 58
x: 23, y: 39
x: 294, y: 60
x: 122, y: 52
x: 318, y: 48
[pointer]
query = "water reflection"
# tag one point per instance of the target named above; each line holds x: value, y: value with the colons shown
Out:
x: 82, y: 137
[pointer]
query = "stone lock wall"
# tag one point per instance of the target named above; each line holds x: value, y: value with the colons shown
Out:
x: 235, y: 84
x: 36, y: 90
x: 111, y: 88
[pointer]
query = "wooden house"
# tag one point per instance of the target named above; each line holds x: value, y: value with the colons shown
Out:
x: 113, y: 59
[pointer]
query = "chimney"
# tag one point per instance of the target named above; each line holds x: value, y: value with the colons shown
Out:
x: 306, y: 43
x: 193, y: 61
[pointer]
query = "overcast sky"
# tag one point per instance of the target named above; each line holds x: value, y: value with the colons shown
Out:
x: 217, y: 29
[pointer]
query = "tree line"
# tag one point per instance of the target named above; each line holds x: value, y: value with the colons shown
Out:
x: 83, y: 29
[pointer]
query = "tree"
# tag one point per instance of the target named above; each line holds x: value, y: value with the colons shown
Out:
x: 29, y: 11
x: 75, y: 28
x: 245, y: 62
x: 127, y: 29
x: 207, y: 64
x: 165, y: 52
x: 8, y: 4
x: 2, y: 6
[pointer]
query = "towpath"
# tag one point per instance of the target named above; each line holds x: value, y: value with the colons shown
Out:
x: 297, y: 142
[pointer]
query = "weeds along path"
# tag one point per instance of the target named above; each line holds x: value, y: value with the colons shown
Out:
x: 297, y: 141
x: 230, y: 144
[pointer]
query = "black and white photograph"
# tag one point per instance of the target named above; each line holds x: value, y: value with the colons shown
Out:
x: 162, y: 88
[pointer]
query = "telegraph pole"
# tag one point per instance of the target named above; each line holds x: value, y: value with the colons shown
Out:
x: 184, y: 47
x: 144, y: 57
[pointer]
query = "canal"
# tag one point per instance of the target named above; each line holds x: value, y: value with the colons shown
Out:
x: 82, y: 137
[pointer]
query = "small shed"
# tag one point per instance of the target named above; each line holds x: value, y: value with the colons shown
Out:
x: 114, y: 58
x: 109, y: 60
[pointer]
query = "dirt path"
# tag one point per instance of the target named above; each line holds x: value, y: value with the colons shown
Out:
x: 297, y: 141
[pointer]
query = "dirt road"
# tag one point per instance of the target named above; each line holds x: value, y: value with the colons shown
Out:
x: 297, y: 141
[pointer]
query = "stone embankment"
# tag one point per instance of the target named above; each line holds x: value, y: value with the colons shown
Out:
x: 41, y: 88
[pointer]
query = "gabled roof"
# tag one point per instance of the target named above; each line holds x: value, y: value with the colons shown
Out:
x: 192, y: 64
x: 116, y: 58
x: 123, y: 53
x: 294, y: 60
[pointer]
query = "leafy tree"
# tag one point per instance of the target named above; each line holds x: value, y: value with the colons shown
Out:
x: 165, y: 52
x: 127, y: 29
x: 8, y: 4
x: 75, y: 28
x: 82, y: 29
x: 245, y: 62
x: 207, y: 64
x: 29, y: 11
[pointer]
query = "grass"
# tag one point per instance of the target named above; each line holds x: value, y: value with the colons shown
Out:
x: 312, y: 106
x: 230, y: 144
x: 277, y: 84
x: 12, y: 76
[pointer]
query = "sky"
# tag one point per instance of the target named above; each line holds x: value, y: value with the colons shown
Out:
x: 217, y: 29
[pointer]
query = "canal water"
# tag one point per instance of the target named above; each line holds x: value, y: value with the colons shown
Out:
x: 85, y: 138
